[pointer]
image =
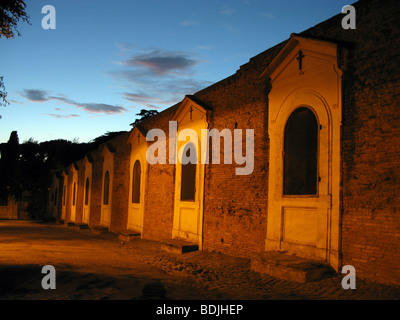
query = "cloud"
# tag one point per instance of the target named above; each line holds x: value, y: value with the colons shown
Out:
x: 15, y: 101
x: 227, y: 10
x: 162, y: 62
x: 143, y: 98
x: 101, y: 108
x: 92, y: 107
x: 157, y: 78
x: 268, y: 15
x: 35, y: 95
x: 62, y: 116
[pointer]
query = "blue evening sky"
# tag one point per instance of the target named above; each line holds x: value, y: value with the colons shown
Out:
x: 107, y: 60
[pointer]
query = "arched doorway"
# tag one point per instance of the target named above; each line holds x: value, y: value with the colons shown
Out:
x: 299, y: 207
x: 106, y: 201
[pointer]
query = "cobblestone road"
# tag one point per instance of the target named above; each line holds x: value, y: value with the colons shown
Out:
x: 94, y: 267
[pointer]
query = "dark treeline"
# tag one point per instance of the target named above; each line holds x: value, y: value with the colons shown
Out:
x: 26, y: 168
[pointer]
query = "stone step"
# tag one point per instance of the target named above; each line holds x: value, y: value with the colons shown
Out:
x: 81, y: 226
x: 99, y: 230
x: 178, y: 246
x: 289, y: 267
x: 128, y: 236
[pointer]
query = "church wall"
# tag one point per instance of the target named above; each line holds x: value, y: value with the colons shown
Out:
x: 370, y: 144
x: 370, y: 139
x: 69, y: 195
x: 80, y: 190
x: 235, y: 207
x: 120, y: 185
x: 96, y: 188
x: 160, y: 187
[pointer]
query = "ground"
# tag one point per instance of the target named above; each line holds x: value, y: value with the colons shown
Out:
x: 100, y: 267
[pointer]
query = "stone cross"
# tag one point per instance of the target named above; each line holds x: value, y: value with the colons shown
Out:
x: 300, y: 59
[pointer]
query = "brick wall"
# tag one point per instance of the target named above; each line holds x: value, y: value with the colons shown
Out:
x: 160, y: 187
x: 235, y: 207
x: 120, y: 192
x: 96, y: 188
x: 371, y: 138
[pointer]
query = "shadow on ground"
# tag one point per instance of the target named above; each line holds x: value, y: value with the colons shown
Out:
x: 24, y: 282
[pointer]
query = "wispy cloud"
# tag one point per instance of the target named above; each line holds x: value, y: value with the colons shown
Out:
x: 267, y: 15
x: 36, y: 95
x: 157, y: 78
x: 144, y: 98
x: 17, y: 102
x: 62, y: 116
x: 227, y: 10
x: 162, y: 62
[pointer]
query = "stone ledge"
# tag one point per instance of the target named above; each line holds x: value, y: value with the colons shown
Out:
x: 291, y: 268
x: 126, y: 237
x: 99, y: 230
x: 81, y: 226
x: 179, y: 246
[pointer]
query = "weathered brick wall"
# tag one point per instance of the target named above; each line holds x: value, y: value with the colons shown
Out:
x: 96, y: 188
x: 69, y: 194
x: 80, y: 191
x: 235, y: 207
x: 160, y: 187
x: 120, y: 192
x: 371, y: 138
x: 235, y: 214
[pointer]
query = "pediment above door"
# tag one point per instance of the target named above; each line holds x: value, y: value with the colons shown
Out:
x: 190, y: 111
x: 302, y: 57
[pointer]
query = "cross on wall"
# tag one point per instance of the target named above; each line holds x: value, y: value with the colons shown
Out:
x: 300, y: 60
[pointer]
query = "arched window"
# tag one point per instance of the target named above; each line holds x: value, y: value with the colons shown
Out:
x: 188, y: 181
x: 106, y: 187
x: 300, y: 153
x: 87, y: 191
x: 74, y: 194
x: 136, y: 182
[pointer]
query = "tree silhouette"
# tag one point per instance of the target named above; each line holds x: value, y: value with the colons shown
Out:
x: 3, y: 94
x: 11, y: 11
x: 144, y: 114
x: 9, y: 169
